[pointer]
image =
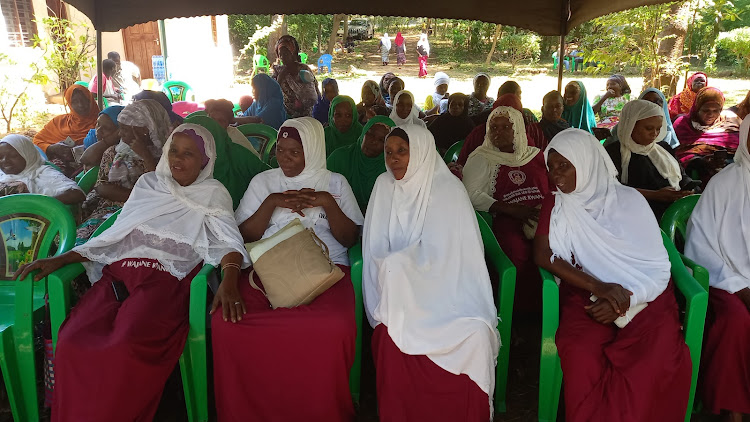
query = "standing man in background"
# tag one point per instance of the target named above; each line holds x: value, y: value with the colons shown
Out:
x: 127, y: 76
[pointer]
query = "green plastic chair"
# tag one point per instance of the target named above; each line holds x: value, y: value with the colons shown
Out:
x: 260, y: 62
x: 193, y: 362
x: 87, y: 180
x: 177, y: 91
x: 356, y: 262
x: 82, y: 83
x: 264, y: 132
x: 199, y: 113
x: 506, y: 292
x: 674, y: 224
x: 550, y: 372
x: 237, y: 110
x: 26, y: 217
x: 303, y: 58
x: 451, y: 155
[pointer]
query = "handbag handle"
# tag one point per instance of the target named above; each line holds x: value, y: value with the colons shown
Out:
x: 322, y: 244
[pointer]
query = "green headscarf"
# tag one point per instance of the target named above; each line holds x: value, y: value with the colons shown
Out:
x: 336, y: 139
x: 360, y: 170
x: 235, y: 165
x: 580, y: 115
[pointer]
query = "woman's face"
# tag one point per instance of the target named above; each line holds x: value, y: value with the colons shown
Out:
x: 130, y: 134
x: 572, y: 93
x: 615, y: 87
x: 11, y: 162
x: 396, y: 87
x: 255, y: 92
x: 708, y: 113
x: 185, y: 159
x: 646, y: 130
x: 331, y: 91
x: 343, y: 116
x: 561, y: 172
x: 552, y: 109
x: 291, y: 156
x: 397, y: 156
x: 368, y: 98
x: 404, y: 106
x: 106, y: 131
x: 374, y: 142
x: 654, y: 98
x: 501, y: 133
x: 442, y: 89
x: 481, y: 85
x: 699, y: 82
x: 286, y: 56
x: 456, y: 108
x: 79, y: 103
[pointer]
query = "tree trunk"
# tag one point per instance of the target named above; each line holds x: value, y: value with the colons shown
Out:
x: 320, y: 37
x: 274, y: 36
x: 283, y: 25
x: 498, y: 30
x: 670, y: 48
x: 345, y: 32
x: 334, y: 33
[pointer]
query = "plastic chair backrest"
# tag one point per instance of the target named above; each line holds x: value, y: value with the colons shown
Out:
x: 303, y: 58
x: 675, y: 219
x: 88, y: 180
x: 197, y: 113
x: 264, y: 132
x: 106, y: 224
x: 326, y: 60
x: 260, y: 62
x: 177, y: 91
x: 451, y: 156
x: 82, y: 83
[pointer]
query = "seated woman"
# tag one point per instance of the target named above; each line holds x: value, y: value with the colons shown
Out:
x: 22, y: 170
x: 298, y: 84
x: 742, y: 110
x: 551, y: 124
x: 144, y: 126
x: 427, y: 290
x: 112, y: 93
x: 453, y: 125
x: 643, y: 159
x: 405, y: 111
x: 161, y: 98
x: 683, y: 102
x: 268, y: 103
x: 246, y: 331
x: 385, y: 83
x: 717, y: 239
x: 104, y: 135
x: 657, y: 97
x: 708, y: 135
x: 602, y: 240
x: 363, y: 162
x: 507, y: 177
x: 132, y: 324
x: 609, y: 106
x: 343, y: 128
x: 369, y: 106
x: 433, y: 104
x: 53, y: 138
x: 222, y: 111
x: 395, y: 86
x: 330, y: 91
x: 577, y: 111
x: 478, y: 100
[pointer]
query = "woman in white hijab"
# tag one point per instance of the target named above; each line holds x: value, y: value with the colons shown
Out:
x: 508, y: 178
x: 437, y: 102
x: 642, y: 158
x: 718, y: 239
x: 132, y: 324
x: 291, y: 364
x: 385, y: 48
x: 22, y: 170
x: 427, y: 290
x: 405, y: 110
x: 622, y: 353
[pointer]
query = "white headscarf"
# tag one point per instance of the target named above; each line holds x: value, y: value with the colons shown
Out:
x: 424, y: 43
x: 430, y: 285
x: 718, y: 234
x: 386, y: 41
x: 522, y: 152
x: 609, y: 228
x: 179, y: 226
x: 664, y: 162
x: 412, y: 118
x: 38, y: 177
x: 437, y: 99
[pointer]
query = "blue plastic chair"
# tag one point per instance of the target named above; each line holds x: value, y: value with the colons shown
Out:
x: 326, y: 60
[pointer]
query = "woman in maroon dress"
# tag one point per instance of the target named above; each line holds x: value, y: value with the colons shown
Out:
x: 508, y: 178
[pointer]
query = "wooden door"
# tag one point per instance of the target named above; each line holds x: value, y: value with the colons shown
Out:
x: 141, y: 42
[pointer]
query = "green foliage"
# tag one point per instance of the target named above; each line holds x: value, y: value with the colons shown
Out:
x: 518, y: 47
x: 65, y: 53
x: 737, y: 43
x: 16, y: 80
x: 242, y: 27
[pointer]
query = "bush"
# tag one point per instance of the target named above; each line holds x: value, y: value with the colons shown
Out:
x: 518, y: 47
x: 736, y: 43
x: 65, y: 53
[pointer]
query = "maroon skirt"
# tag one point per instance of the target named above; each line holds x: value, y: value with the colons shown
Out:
x: 281, y: 365
x: 113, y: 358
x: 725, y: 363
x: 638, y: 373
x: 413, y: 388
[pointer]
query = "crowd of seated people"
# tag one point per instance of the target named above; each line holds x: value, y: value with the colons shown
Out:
x: 577, y: 191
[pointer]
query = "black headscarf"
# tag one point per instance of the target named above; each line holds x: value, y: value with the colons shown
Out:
x: 448, y: 129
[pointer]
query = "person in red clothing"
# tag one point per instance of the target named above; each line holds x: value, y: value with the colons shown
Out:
x: 507, y: 177
x: 621, y: 348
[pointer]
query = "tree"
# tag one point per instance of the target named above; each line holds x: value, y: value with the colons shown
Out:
x: 519, y: 46
x: 498, y: 31
x: 345, y: 32
x: 16, y: 81
x: 66, y: 54
x: 668, y: 64
x: 737, y: 43
x: 334, y: 33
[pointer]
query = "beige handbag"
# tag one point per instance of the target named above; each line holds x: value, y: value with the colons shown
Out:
x: 294, y: 266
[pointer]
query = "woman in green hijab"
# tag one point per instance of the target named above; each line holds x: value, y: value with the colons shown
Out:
x: 362, y: 162
x: 343, y: 124
x: 578, y: 112
x: 235, y: 165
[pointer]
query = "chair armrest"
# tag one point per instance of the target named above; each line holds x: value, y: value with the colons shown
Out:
x: 699, y: 273
x: 59, y: 290
x: 198, y: 290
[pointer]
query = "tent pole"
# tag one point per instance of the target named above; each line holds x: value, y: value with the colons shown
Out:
x: 560, y: 63
x: 99, y: 76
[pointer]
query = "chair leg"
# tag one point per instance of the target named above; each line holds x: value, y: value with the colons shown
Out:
x: 23, y: 407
